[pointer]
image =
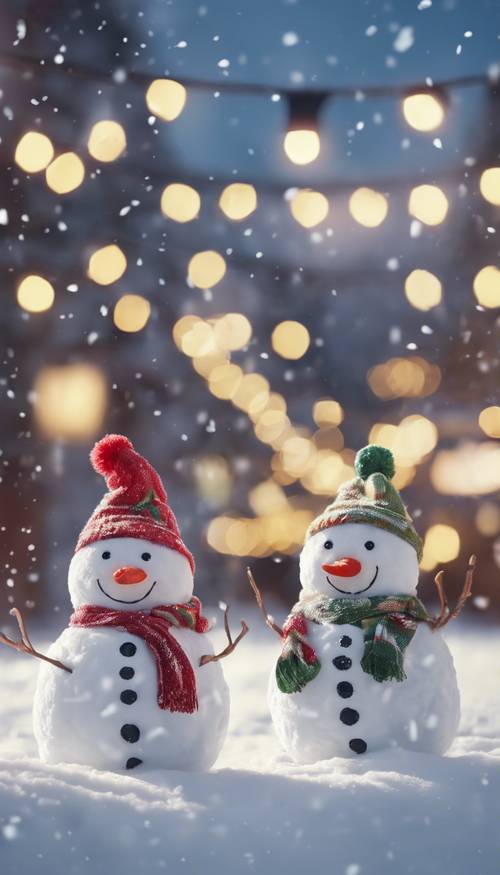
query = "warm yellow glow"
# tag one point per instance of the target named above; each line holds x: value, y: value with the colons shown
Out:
x: 302, y: 147
x: 279, y: 530
x: 470, y: 469
x: 441, y: 544
x: 424, y: 112
x: 326, y: 473
x: 107, y: 140
x: 238, y: 201
x: 206, y: 269
x: 423, y: 289
x: 309, y: 208
x: 166, y: 99
x: 326, y: 411
x: 410, y: 377
x: 34, y: 152
x: 182, y: 326
x: 428, y: 204
x: 489, y: 421
x: 70, y: 401
x: 35, y: 294
x: 488, y: 519
x: 267, y: 498
x: 107, y: 265
x: 368, y: 207
x: 290, y: 339
x: 213, y: 480
x: 206, y: 364
x: 487, y: 286
x: 224, y: 380
x: 489, y: 185
x: 232, y: 331
x: 65, y: 174
x: 250, y: 389
x: 180, y: 202
x: 272, y: 427
x: 131, y: 313
x: 410, y: 441
x: 199, y: 340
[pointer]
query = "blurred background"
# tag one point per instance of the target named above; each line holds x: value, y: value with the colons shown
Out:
x: 253, y: 237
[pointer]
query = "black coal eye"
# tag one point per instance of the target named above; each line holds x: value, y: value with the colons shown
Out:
x: 328, y: 545
x: 146, y: 557
x: 106, y: 555
x: 369, y: 545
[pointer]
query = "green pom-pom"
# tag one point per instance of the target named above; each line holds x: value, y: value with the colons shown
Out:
x: 374, y: 460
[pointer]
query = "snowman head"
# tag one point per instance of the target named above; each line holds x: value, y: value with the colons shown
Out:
x: 129, y: 574
x: 130, y: 554
x: 355, y: 559
x: 364, y: 543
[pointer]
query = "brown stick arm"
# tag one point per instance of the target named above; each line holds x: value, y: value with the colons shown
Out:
x: 445, y: 614
x: 231, y: 644
x: 260, y: 601
x: 25, y: 645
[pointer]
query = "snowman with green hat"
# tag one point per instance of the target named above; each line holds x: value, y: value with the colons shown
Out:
x: 363, y: 666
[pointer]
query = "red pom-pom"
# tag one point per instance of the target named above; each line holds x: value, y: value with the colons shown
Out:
x: 106, y: 453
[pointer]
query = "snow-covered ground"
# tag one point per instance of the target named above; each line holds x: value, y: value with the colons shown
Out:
x: 391, y: 812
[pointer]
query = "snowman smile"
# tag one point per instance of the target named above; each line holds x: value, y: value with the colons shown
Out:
x: 358, y: 591
x: 126, y: 601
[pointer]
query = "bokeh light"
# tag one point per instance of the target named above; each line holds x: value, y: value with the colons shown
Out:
x: 428, y: 204
x: 206, y: 269
x: 66, y: 173
x: 232, y: 331
x: 180, y: 202
x: 326, y: 411
x: 423, y: 289
x: 107, y: 140
x: 131, y: 313
x: 290, y: 339
x: 34, y: 152
x: 35, y: 294
x: 238, y: 201
x: 411, y: 377
x: 106, y: 265
x: 441, y: 544
x: 166, y: 99
x: 368, y: 207
x: 489, y: 185
x: 70, y: 401
x: 489, y: 421
x: 469, y: 469
x: 487, y: 286
x: 309, y: 208
x: 423, y: 112
x: 302, y: 146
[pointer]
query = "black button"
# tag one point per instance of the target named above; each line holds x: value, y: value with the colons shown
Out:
x: 349, y: 716
x: 128, y: 697
x: 133, y: 762
x: 128, y: 649
x: 127, y: 672
x: 130, y: 733
x: 345, y: 689
x: 342, y: 662
x: 358, y: 745
x: 345, y: 641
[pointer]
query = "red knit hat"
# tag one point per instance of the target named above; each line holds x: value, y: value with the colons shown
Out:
x: 136, y: 505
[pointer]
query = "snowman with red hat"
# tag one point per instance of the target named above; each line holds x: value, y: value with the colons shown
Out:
x: 133, y: 680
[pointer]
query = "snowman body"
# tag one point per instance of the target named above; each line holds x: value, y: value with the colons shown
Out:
x: 105, y: 714
x: 344, y: 711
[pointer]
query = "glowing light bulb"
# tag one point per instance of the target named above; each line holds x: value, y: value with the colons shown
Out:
x: 487, y: 286
x: 106, y: 265
x: 489, y: 185
x: 290, y: 339
x: 131, y: 313
x: 423, y: 112
x: 238, y: 201
x: 206, y: 269
x: 70, y: 401
x: 302, y: 146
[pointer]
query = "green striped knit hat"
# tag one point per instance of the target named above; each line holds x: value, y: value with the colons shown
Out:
x: 370, y: 498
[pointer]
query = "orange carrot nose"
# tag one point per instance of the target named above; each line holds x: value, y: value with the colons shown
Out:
x: 129, y: 575
x: 346, y: 567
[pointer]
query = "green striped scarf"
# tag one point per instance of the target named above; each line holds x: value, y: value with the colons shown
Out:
x: 388, y: 623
